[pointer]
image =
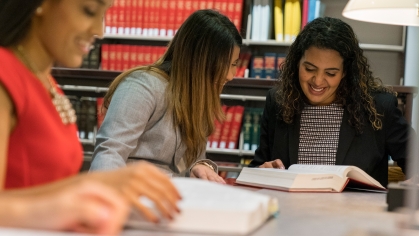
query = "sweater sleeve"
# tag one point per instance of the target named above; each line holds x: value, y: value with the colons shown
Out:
x: 131, y: 107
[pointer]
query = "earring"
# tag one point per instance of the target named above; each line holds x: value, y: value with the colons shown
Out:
x: 39, y: 10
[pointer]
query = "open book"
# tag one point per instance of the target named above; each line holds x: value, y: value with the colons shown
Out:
x: 309, y: 178
x: 212, y: 208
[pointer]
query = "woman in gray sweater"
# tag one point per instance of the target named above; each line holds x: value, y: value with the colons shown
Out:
x: 163, y: 113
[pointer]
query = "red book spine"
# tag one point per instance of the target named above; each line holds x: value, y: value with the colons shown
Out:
x: 100, y: 115
x: 140, y: 17
x: 140, y: 55
x: 210, y: 4
x: 230, y: 10
x: 133, y: 17
x: 118, y: 57
x: 147, y: 55
x: 244, y: 64
x: 153, y: 17
x: 305, y: 14
x: 214, y: 138
x: 128, y: 17
x: 154, y: 54
x: 217, y: 5
x: 115, y: 13
x: 180, y: 14
x: 146, y: 18
x: 112, y: 57
x: 225, y: 131
x: 224, y: 7
x: 188, y: 9
x: 121, y: 17
x: 158, y: 6
x: 105, y: 57
x: 195, y: 5
x: 236, y: 123
x: 164, y: 6
x: 125, y: 57
x: 132, y: 56
x: 171, y: 18
x: 203, y: 4
x: 238, y: 11
x: 162, y: 51
x: 108, y: 20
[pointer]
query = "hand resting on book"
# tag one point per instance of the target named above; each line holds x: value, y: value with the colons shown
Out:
x: 273, y: 164
x: 203, y: 172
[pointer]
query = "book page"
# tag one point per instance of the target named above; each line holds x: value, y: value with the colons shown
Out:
x: 359, y: 175
x: 292, y: 179
x: 209, y: 207
x: 267, y: 177
x: 336, y: 169
x: 351, y: 172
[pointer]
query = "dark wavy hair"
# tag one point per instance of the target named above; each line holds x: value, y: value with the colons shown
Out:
x: 355, y: 90
x: 15, y: 20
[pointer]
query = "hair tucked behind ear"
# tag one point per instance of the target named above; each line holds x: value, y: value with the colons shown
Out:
x: 355, y: 89
x: 15, y: 20
x: 196, y: 64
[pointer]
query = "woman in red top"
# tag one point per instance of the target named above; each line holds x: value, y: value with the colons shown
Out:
x: 38, y: 142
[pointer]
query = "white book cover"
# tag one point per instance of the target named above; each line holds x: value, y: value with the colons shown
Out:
x: 256, y: 19
x: 211, y: 208
x: 266, y: 19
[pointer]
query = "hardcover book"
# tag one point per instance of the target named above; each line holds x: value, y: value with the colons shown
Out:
x: 309, y: 178
x: 208, y: 207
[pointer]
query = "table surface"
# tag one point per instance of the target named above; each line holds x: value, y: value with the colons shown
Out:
x: 347, y: 213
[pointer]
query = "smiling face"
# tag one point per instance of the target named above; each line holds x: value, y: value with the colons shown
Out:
x: 67, y: 28
x: 320, y: 72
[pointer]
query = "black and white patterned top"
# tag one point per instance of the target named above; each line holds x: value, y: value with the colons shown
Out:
x: 319, y: 134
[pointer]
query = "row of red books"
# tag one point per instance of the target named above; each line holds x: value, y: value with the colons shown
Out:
x: 226, y: 135
x: 163, y: 17
x: 122, y: 57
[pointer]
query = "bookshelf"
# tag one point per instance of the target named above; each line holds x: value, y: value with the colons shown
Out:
x: 383, y: 45
x: 248, y: 42
x: 94, y: 83
x: 239, y: 91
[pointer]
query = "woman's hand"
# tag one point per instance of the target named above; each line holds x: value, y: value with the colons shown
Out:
x: 204, y: 172
x: 273, y: 164
x: 143, y: 179
x: 86, y: 207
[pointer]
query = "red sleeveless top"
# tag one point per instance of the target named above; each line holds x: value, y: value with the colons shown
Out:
x: 41, y: 148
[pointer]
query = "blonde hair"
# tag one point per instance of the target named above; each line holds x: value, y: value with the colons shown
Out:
x: 195, y: 64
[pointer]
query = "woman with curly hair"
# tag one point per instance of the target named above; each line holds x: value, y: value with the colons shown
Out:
x: 327, y: 107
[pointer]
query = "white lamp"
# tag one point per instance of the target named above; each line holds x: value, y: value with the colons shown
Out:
x: 394, y: 12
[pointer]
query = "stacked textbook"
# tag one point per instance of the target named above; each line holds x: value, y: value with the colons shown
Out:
x: 310, y: 178
x: 212, y: 208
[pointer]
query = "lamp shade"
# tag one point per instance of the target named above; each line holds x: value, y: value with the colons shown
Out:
x: 394, y: 12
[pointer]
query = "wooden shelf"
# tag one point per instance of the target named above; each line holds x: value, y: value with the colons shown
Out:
x: 137, y: 37
x: 270, y: 42
x: 230, y: 152
x: 86, y: 77
x: 87, y: 141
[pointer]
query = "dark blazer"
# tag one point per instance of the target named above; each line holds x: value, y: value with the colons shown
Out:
x: 368, y: 151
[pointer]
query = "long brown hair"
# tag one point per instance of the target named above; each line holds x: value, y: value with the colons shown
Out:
x: 195, y: 64
x: 356, y: 87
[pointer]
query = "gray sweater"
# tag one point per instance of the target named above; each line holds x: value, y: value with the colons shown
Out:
x: 137, y: 126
